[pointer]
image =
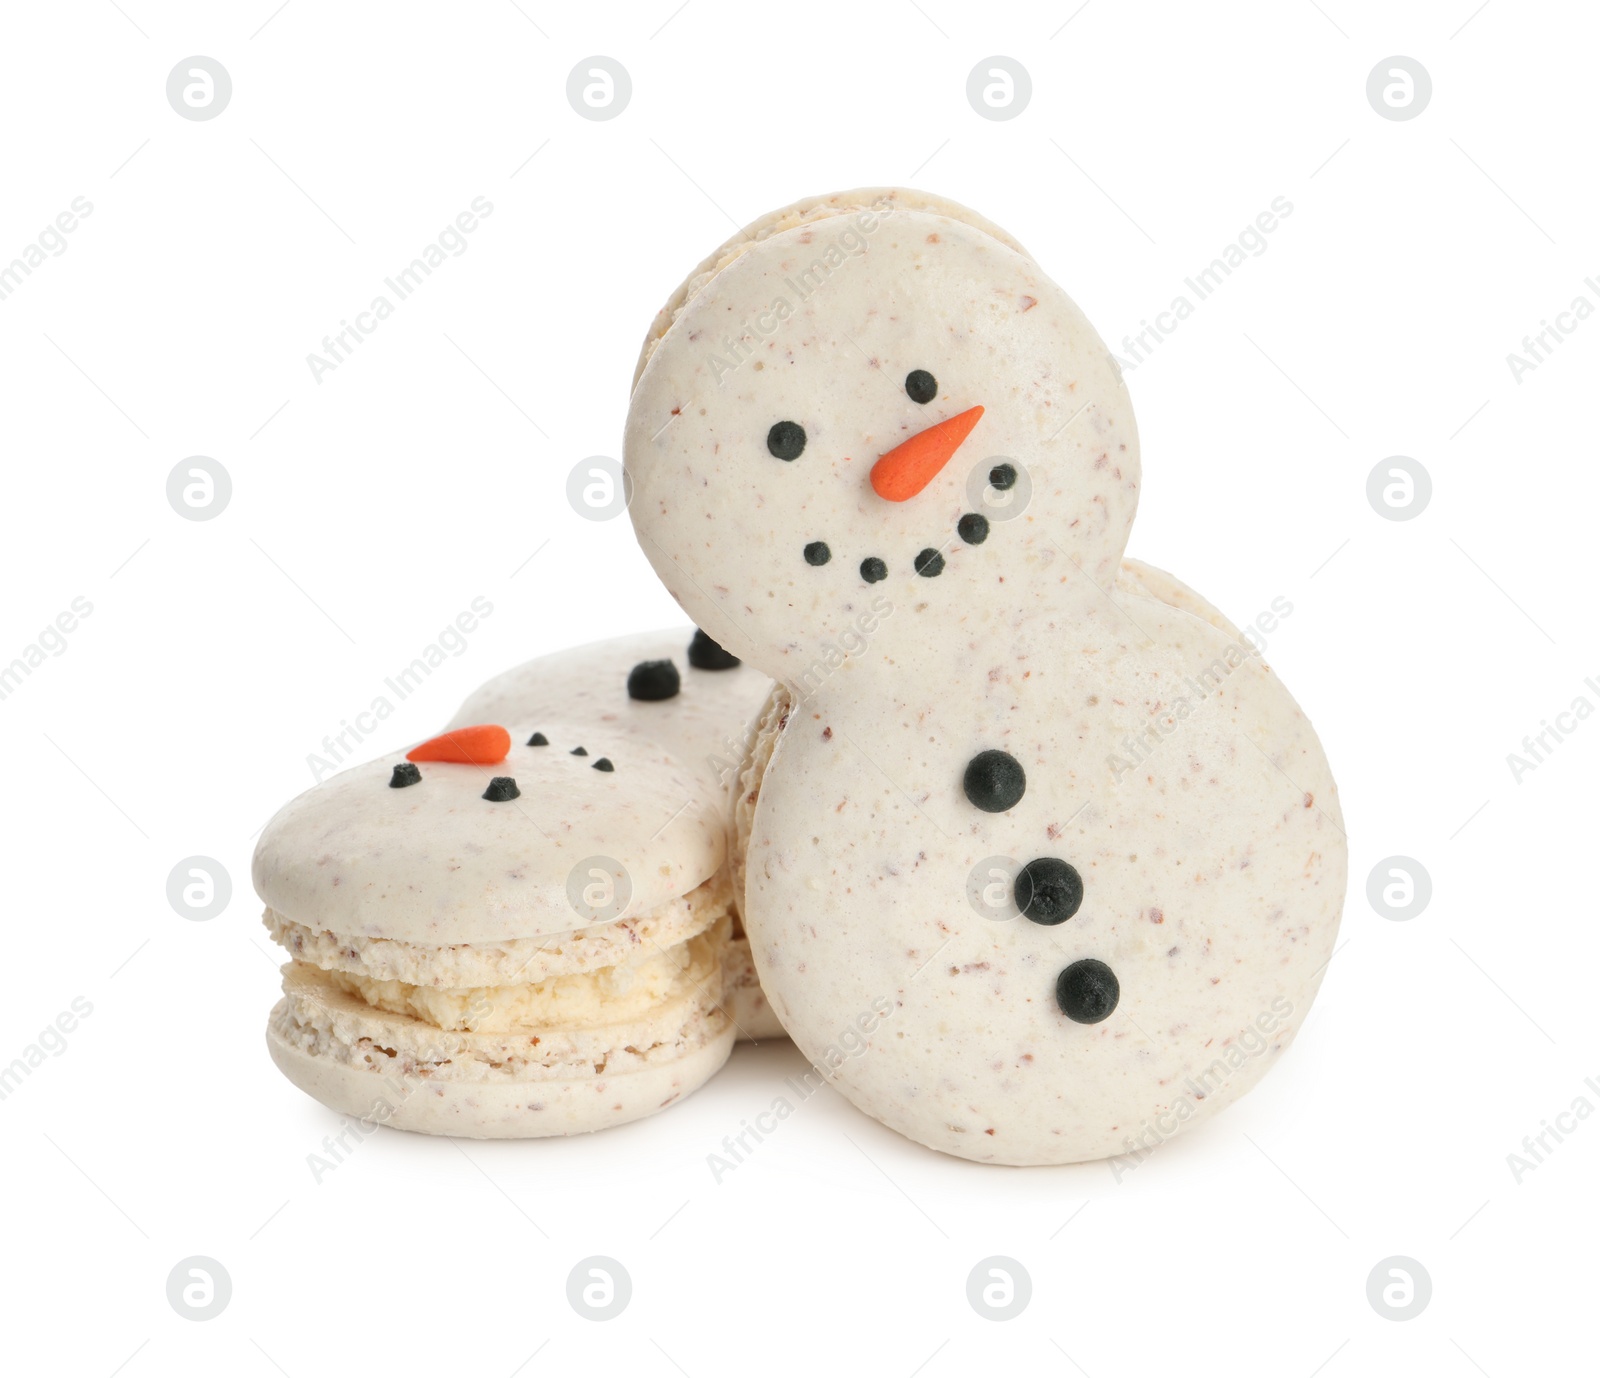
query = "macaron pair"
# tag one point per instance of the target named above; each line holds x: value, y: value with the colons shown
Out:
x: 526, y: 925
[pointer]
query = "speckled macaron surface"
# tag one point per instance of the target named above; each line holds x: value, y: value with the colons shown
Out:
x: 518, y: 928
x: 703, y: 726
x: 1059, y: 817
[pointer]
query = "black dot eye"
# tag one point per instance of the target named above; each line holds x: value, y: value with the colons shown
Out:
x: 1087, y: 991
x: 921, y: 386
x: 1048, y: 890
x: 705, y: 654
x: 1002, y: 476
x: 873, y: 569
x: 405, y: 774
x: 651, y: 681
x: 994, y: 781
x: 786, y: 440
x: 817, y: 553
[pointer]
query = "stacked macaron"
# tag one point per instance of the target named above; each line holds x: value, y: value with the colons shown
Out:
x: 519, y: 928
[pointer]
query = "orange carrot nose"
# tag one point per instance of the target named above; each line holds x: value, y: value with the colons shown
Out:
x: 910, y: 467
x: 473, y: 746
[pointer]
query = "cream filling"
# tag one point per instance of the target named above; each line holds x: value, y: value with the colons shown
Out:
x: 616, y: 994
x: 318, y: 1019
x: 513, y: 962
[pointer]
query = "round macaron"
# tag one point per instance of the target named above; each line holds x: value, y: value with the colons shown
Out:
x: 518, y: 928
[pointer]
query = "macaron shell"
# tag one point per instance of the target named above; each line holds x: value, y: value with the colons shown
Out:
x: 754, y: 1019
x: 873, y: 201
x: 766, y: 554
x: 701, y: 726
x: 502, y: 1108
x: 439, y: 864
x: 1213, y: 879
x: 1139, y: 579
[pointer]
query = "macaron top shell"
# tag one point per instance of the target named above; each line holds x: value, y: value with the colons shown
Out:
x: 435, y: 862
x: 808, y: 211
x: 438, y: 863
x: 701, y: 725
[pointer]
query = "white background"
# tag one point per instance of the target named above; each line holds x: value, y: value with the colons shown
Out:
x: 372, y: 507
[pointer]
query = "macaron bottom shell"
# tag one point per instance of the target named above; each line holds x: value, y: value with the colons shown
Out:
x: 509, y: 1109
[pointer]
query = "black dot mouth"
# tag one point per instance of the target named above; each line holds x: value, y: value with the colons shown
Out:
x: 972, y: 529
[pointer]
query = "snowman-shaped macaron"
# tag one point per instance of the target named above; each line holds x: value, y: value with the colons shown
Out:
x: 1049, y: 811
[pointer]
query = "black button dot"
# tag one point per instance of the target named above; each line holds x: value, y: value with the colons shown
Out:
x: 404, y: 774
x: 973, y: 528
x: 501, y: 788
x: 817, y: 553
x: 1047, y: 890
x: 786, y: 440
x: 873, y: 569
x: 603, y: 763
x: 1087, y: 991
x: 653, y: 680
x: 1002, y: 476
x: 578, y: 751
x: 929, y: 563
x: 921, y: 386
x: 538, y: 739
x: 994, y: 781
x: 705, y: 654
